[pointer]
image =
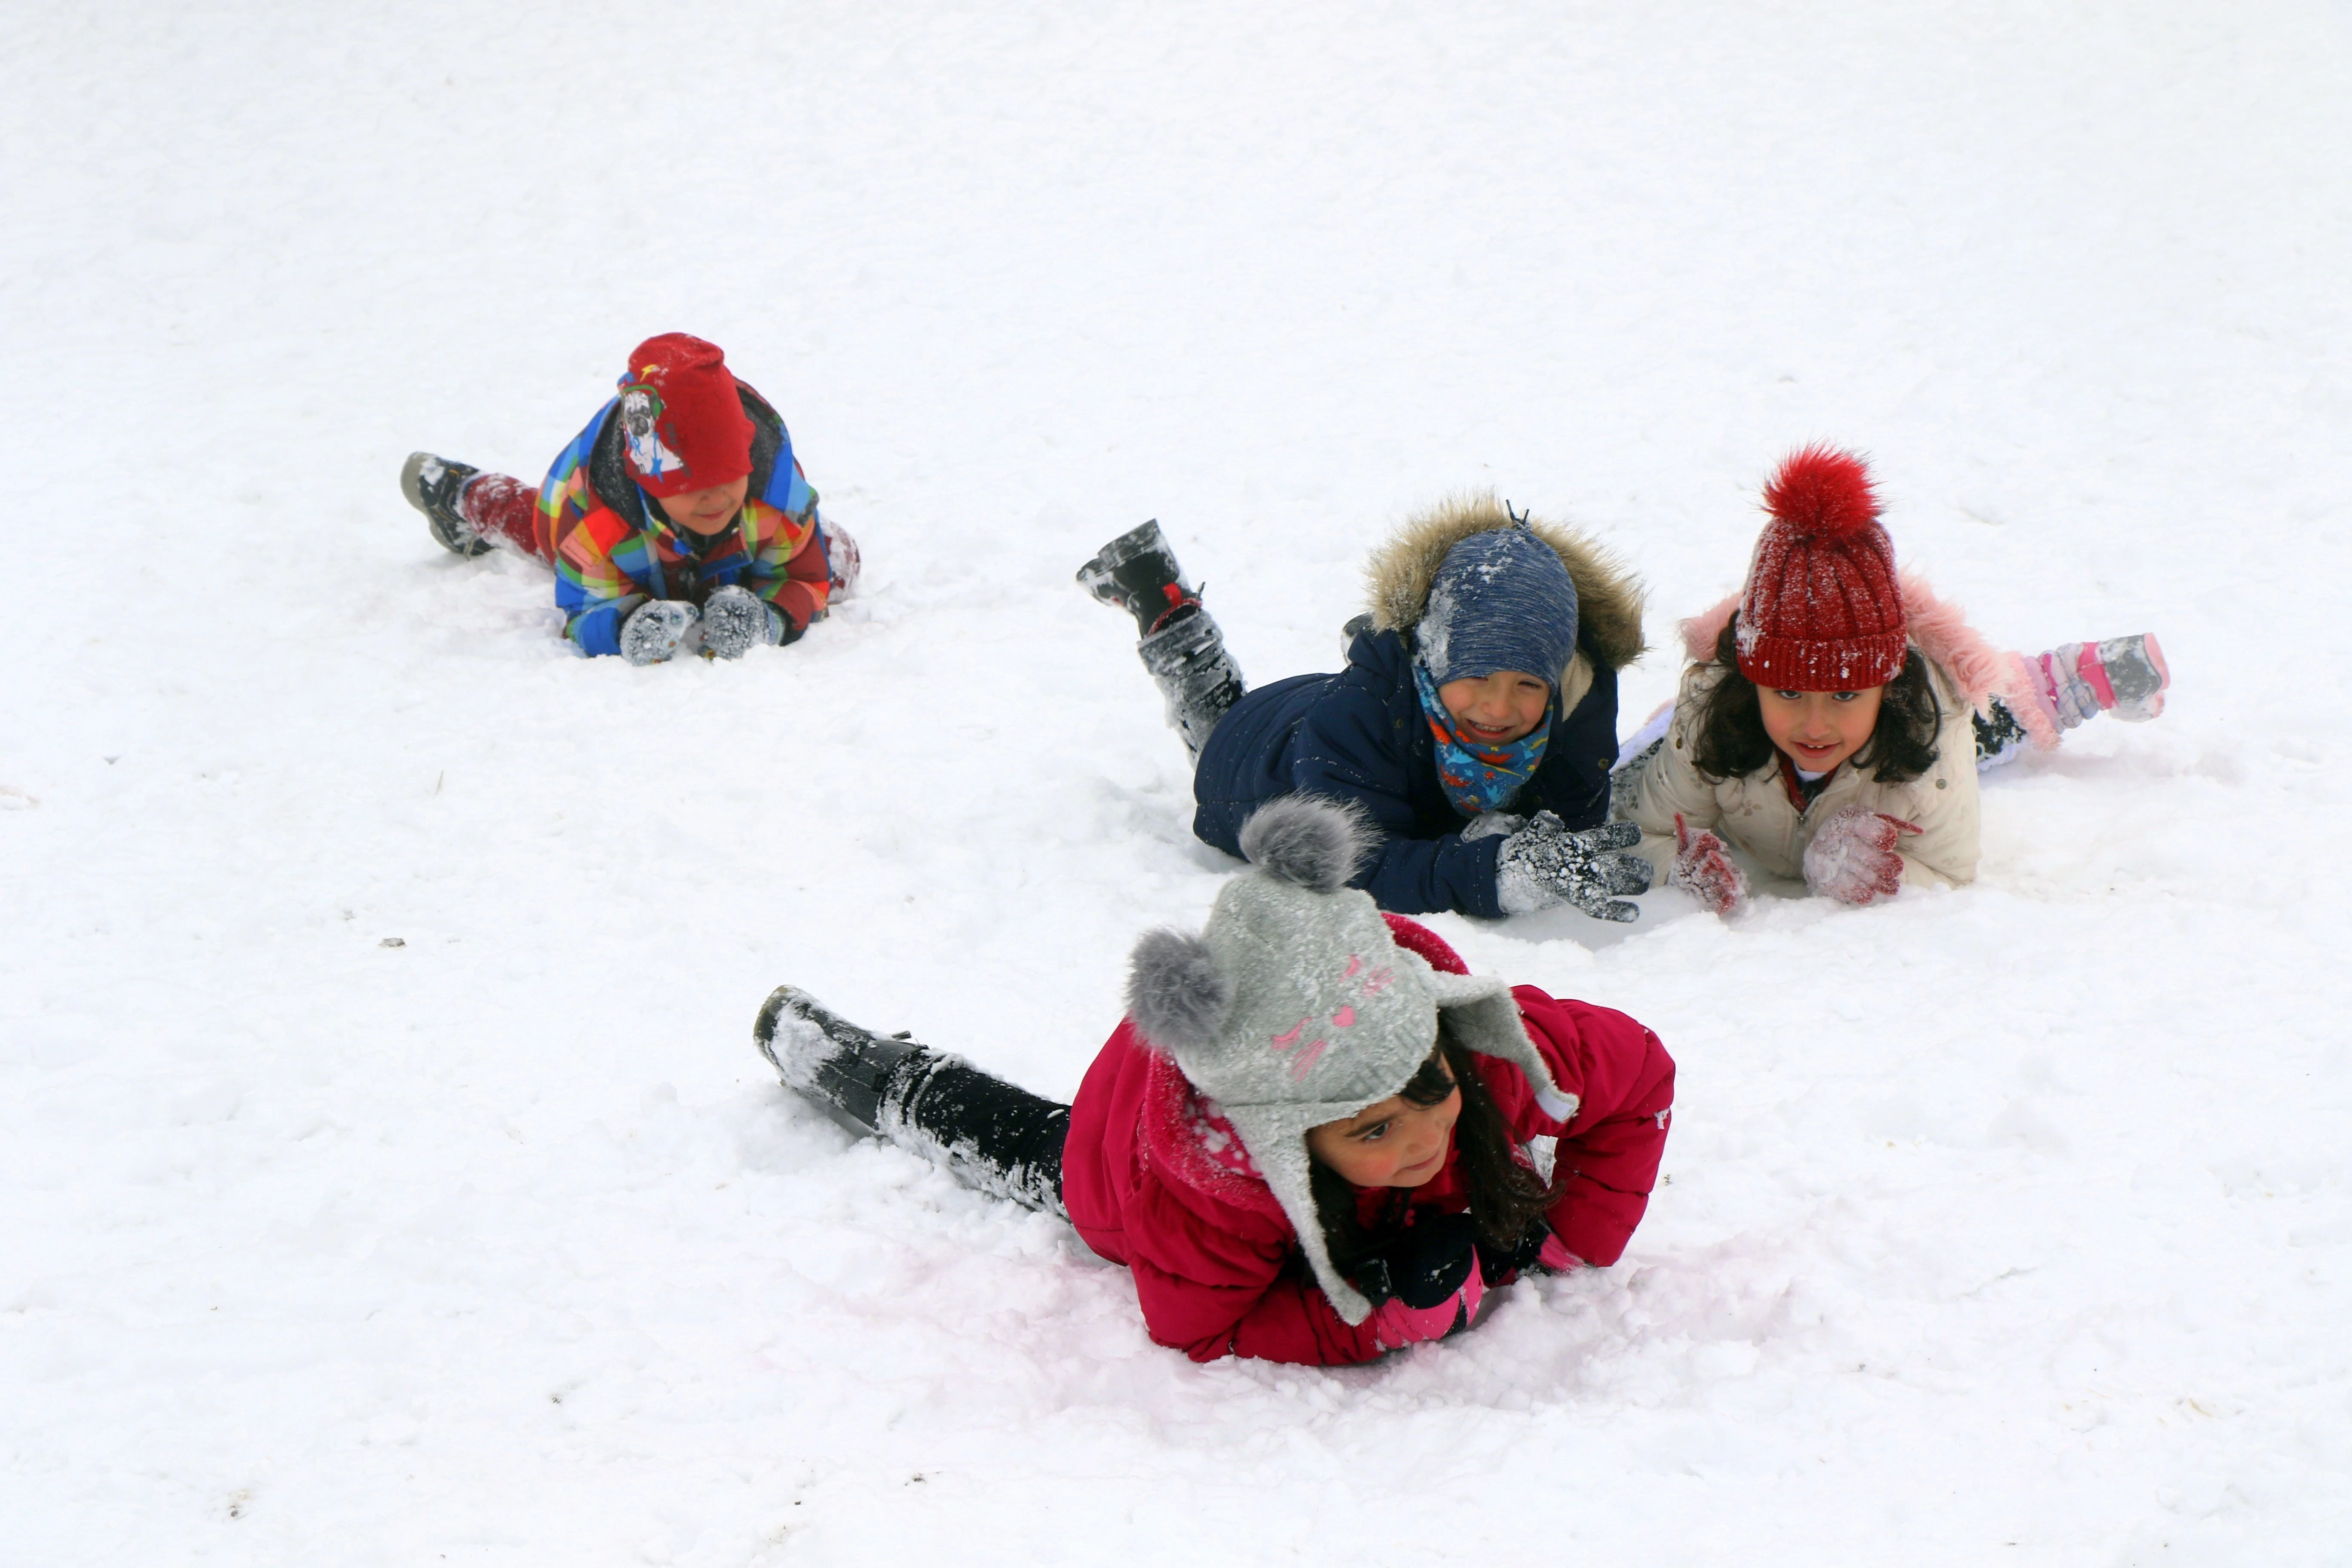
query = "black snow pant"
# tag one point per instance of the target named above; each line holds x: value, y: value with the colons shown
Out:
x: 997, y: 1138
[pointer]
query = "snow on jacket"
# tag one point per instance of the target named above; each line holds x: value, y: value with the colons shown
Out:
x: 1154, y: 1178
x: 1760, y: 814
x: 1360, y: 735
x: 612, y: 550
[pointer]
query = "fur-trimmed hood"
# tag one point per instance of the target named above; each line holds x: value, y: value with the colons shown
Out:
x: 1608, y: 596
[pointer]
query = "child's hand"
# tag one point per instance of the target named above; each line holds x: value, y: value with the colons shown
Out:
x: 1852, y: 857
x: 1544, y: 864
x: 1704, y: 868
x: 657, y: 630
x: 735, y: 620
x: 1430, y: 1278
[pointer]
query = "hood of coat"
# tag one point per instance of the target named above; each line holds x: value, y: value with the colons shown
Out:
x: 1608, y: 596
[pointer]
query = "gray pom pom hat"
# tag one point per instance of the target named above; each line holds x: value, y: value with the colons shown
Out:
x: 1294, y: 1006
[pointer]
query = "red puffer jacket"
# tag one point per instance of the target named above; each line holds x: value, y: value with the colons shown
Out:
x: 1153, y: 1180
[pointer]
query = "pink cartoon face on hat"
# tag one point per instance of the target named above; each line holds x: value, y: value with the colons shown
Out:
x: 1368, y: 985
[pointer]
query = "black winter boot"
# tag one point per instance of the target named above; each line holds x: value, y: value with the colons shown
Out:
x: 847, y: 1072
x: 993, y: 1136
x: 432, y: 485
x: 1199, y: 679
x: 1138, y: 573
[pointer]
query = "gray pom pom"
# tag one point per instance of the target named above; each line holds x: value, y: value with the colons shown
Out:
x: 1175, y: 993
x: 1311, y: 840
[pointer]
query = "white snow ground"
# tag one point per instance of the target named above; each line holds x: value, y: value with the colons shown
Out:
x: 2010, y: 1225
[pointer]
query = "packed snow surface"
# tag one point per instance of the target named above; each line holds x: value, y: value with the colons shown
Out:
x: 390, y: 1177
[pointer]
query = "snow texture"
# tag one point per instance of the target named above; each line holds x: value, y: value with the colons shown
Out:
x: 2007, y: 1224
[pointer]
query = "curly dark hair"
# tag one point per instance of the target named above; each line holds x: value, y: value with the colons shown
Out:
x: 1728, y: 738
x: 1508, y: 1199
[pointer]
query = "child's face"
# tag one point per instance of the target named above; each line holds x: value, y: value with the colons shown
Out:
x: 1495, y: 710
x: 1395, y: 1143
x: 705, y: 511
x: 1820, y: 728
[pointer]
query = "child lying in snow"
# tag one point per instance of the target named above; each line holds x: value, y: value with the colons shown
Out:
x: 1834, y: 715
x: 1474, y: 724
x: 1306, y: 1139
x: 677, y: 522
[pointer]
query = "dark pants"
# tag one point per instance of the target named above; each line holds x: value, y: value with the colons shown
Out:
x: 995, y: 1137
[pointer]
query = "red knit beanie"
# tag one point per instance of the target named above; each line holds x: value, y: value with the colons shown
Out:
x: 685, y: 428
x: 1821, y: 611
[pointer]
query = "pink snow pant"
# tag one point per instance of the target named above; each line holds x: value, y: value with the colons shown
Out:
x: 505, y: 511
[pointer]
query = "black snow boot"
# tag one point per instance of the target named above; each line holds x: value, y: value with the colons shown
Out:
x: 1182, y: 646
x: 995, y: 1137
x: 847, y: 1072
x: 432, y: 485
x: 1197, y: 676
x: 1138, y: 573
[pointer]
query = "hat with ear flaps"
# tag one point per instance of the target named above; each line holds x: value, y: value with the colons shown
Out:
x: 1295, y: 1006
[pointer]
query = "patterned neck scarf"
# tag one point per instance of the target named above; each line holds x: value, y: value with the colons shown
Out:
x: 1478, y: 778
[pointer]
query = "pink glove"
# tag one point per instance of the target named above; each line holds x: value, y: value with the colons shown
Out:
x: 1704, y: 870
x: 1556, y: 1255
x: 1852, y: 857
x: 1396, y: 1325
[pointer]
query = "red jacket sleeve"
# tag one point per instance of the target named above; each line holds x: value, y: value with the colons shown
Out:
x: 1234, y: 1284
x: 1609, y: 1153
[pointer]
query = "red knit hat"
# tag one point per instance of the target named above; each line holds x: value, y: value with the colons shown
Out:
x: 1821, y: 611
x: 685, y: 428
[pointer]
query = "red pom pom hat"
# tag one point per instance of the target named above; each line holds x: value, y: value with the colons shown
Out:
x: 685, y: 428
x: 1821, y: 610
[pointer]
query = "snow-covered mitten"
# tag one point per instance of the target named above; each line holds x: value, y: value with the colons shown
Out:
x: 1704, y: 868
x: 657, y: 630
x: 1852, y: 858
x: 1544, y: 864
x: 735, y: 620
x: 2122, y: 676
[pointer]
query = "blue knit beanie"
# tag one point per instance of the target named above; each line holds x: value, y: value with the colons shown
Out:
x: 1502, y: 600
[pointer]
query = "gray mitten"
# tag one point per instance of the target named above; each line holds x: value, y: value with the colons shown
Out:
x: 1544, y: 864
x: 658, y: 630
x: 735, y: 620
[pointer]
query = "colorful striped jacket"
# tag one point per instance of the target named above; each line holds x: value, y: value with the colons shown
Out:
x: 612, y: 551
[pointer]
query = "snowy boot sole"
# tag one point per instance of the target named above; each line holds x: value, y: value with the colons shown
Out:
x: 848, y: 1072
x: 432, y: 485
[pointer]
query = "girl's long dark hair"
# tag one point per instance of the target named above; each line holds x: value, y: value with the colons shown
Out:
x: 1728, y: 739
x: 1508, y: 1199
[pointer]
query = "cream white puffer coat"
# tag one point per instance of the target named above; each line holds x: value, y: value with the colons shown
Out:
x: 1757, y: 814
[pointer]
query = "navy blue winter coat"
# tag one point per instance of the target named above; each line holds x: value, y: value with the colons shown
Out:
x: 1360, y: 735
